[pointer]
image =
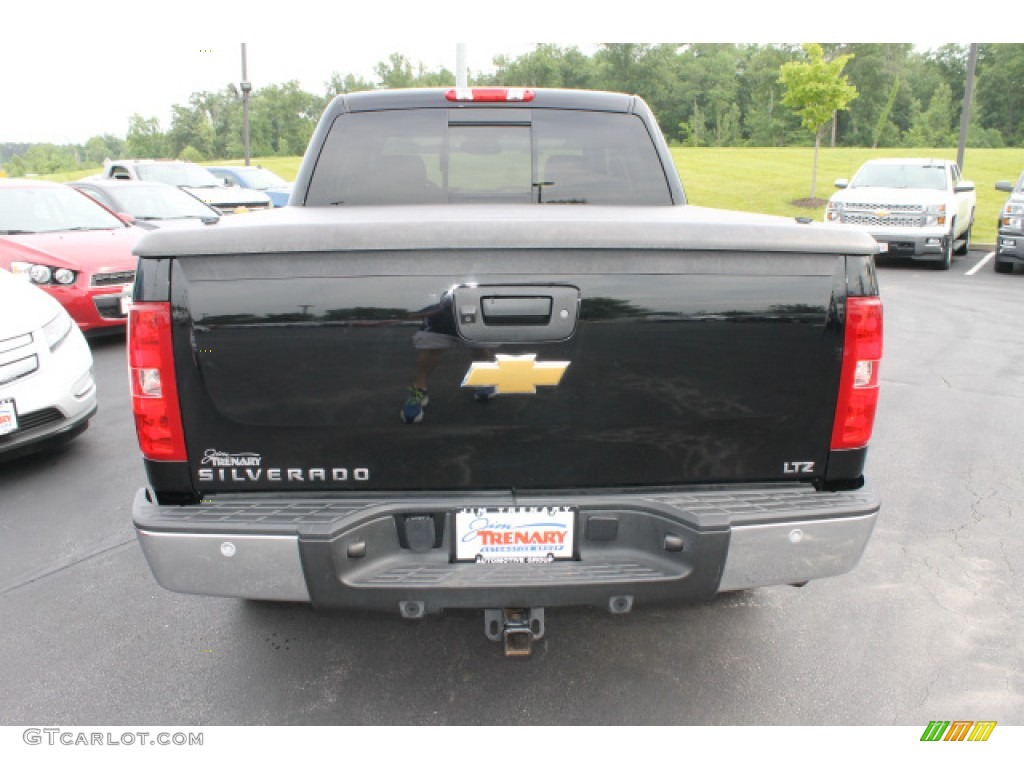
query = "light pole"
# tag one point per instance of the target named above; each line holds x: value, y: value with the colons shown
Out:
x: 965, y: 112
x: 246, y: 87
x: 461, y: 76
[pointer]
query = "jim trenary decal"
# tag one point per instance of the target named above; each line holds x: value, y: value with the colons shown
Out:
x: 531, y: 534
x: 248, y: 468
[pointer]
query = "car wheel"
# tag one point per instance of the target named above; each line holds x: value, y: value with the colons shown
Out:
x: 1004, y: 267
x: 962, y: 250
x: 947, y: 252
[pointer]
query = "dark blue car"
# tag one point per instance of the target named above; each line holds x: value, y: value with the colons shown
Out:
x: 255, y: 177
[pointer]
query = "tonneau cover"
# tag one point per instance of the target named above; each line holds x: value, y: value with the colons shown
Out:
x: 433, y: 227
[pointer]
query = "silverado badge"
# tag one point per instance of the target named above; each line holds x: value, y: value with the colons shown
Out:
x: 515, y: 374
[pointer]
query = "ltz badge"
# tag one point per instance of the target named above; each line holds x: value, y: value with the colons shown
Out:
x: 515, y: 374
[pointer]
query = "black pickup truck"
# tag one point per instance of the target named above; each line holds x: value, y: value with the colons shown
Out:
x: 489, y: 358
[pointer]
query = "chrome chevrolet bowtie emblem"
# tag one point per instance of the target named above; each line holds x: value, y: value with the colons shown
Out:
x: 515, y: 374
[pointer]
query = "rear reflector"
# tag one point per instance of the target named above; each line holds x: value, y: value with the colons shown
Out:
x: 489, y: 94
x: 858, y: 383
x: 153, y: 386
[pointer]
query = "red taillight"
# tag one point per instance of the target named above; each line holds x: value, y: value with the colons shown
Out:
x: 489, y: 94
x: 153, y: 386
x: 858, y: 383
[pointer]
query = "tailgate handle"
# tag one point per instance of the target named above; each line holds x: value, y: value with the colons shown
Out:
x: 516, y: 310
x: 516, y: 313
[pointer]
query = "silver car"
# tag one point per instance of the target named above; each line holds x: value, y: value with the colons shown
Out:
x: 148, y: 204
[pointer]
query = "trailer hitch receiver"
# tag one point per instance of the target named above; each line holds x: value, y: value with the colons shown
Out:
x: 517, y: 628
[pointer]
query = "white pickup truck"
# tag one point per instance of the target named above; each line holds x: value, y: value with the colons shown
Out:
x: 192, y: 178
x: 914, y: 207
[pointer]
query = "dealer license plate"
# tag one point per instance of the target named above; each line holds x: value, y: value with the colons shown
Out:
x: 530, y: 534
x: 8, y: 417
x: 126, y: 299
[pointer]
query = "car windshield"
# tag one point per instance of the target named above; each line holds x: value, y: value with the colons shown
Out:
x: 178, y: 174
x: 147, y: 201
x: 31, y: 210
x: 260, y: 178
x: 901, y: 176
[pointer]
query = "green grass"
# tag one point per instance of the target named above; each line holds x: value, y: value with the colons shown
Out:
x: 768, y: 180
x: 285, y: 167
x: 70, y: 175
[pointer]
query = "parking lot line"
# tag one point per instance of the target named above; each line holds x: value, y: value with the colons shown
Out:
x: 980, y: 264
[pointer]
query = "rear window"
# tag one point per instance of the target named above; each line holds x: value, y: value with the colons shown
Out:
x: 488, y: 156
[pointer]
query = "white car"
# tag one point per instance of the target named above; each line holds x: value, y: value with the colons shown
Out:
x: 915, y: 207
x: 194, y: 179
x: 47, y: 391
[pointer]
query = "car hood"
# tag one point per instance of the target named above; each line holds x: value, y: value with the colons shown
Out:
x: 182, y: 223
x: 23, y: 307
x: 220, y: 196
x: 887, y: 195
x: 104, y: 250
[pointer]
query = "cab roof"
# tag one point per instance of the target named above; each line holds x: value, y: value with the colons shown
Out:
x: 541, y: 98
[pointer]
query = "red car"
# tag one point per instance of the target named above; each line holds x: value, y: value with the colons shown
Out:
x: 70, y: 246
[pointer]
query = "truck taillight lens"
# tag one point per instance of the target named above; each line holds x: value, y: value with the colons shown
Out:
x: 858, y: 382
x: 153, y: 386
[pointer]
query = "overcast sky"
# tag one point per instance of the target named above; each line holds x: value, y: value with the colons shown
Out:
x: 69, y: 71
x: 102, y: 87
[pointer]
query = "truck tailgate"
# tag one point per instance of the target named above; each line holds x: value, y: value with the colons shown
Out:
x: 681, y: 363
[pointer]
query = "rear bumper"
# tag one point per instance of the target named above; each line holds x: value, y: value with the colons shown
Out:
x: 656, y: 547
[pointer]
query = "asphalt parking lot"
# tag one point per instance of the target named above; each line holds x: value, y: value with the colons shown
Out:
x: 929, y: 626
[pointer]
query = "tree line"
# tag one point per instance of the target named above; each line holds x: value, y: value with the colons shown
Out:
x: 707, y: 94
